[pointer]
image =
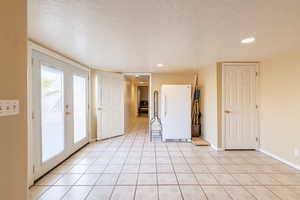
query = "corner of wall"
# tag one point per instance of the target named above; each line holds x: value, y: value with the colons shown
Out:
x: 219, y: 103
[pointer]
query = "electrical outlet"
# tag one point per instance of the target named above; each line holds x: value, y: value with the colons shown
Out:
x: 296, y: 152
x: 9, y: 107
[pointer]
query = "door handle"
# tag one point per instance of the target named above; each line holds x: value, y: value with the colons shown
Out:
x: 99, y: 109
x: 68, y: 113
x: 227, y: 111
x: 166, y: 106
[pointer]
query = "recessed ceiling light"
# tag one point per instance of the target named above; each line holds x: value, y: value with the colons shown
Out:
x: 160, y: 65
x: 248, y: 40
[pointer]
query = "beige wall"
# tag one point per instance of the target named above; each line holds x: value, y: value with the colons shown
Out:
x: 158, y: 79
x: 280, y: 106
x: 13, y: 74
x: 208, y: 87
x: 130, y: 101
x: 144, y: 92
x: 94, y: 104
x: 279, y: 109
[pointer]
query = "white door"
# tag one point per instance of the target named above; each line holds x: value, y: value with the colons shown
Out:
x: 176, y: 111
x: 110, y: 108
x: 240, y: 115
x: 60, y: 111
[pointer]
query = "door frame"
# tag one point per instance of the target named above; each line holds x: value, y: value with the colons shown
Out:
x: 149, y: 90
x: 257, y: 64
x: 32, y: 45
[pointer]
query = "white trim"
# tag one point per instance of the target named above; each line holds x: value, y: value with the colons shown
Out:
x: 34, y: 46
x: 90, y: 107
x: 30, y: 175
x: 216, y: 148
x: 280, y: 159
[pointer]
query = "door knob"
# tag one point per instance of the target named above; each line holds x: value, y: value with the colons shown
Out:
x: 99, y: 109
x: 227, y: 111
x: 68, y: 113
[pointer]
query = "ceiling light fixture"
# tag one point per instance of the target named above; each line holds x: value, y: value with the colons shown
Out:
x: 248, y: 40
x: 160, y: 65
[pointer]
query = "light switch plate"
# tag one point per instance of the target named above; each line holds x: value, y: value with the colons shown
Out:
x: 9, y: 107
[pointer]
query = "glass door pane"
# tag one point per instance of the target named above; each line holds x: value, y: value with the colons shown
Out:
x: 52, y: 112
x: 79, y: 108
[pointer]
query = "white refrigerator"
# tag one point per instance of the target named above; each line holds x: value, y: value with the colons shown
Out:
x: 176, y: 112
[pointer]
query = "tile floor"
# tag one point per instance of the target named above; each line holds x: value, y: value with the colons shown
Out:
x: 132, y: 167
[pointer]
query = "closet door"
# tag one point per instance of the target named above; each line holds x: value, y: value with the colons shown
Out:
x: 240, y: 114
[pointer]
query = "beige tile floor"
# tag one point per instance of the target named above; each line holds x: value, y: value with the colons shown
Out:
x: 132, y: 167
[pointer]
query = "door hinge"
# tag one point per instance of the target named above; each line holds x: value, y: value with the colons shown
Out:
x: 256, y: 106
x: 256, y: 73
x: 33, y: 115
x: 33, y: 168
x: 32, y: 60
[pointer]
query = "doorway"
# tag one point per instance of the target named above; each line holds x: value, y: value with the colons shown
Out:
x: 239, y: 105
x: 143, y: 100
x: 59, y: 111
x: 137, y: 99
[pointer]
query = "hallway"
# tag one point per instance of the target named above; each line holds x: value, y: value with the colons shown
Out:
x: 131, y: 167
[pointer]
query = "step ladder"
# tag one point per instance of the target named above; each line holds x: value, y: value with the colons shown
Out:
x: 155, y: 122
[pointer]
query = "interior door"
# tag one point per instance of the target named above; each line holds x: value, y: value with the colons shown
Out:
x: 59, y: 111
x: 240, y: 115
x: 110, y: 109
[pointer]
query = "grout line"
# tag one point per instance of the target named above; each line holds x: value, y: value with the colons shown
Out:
x: 175, y: 171
x: 195, y: 176
x: 114, y: 186
x: 138, y: 173
x: 138, y: 139
x: 100, y: 175
x: 156, y: 166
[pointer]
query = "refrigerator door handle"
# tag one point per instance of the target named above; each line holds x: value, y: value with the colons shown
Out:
x: 165, y: 106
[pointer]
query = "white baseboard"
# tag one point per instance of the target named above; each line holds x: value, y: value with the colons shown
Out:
x: 212, y: 145
x: 280, y: 159
x: 216, y: 148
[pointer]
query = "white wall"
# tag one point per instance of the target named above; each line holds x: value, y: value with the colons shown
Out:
x: 280, y: 106
x: 208, y: 88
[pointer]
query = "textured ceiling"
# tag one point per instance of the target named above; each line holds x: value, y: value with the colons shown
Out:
x: 135, y: 35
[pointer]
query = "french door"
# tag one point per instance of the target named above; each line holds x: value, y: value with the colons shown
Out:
x: 60, y: 111
x: 240, y: 114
